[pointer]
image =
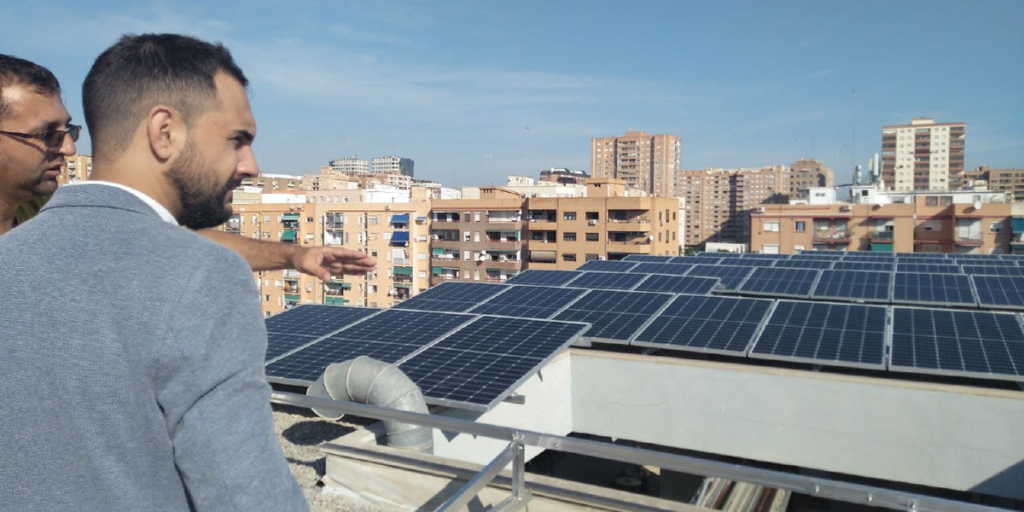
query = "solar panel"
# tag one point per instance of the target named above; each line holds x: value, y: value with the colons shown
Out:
x: 781, y: 282
x: 863, y: 265
x: 832, y: 255
x: 543, y: 277
x: 724, y: 325
x: 993, y: 270
x: 614, y: 316
x: 917, y: 257
x: 389, y: 336
x: 853, y: 285
x: 927, y: 268
x: 301, y: 325
x: 482, y: 363
x: 804, y: 263
x: 828, y: 334
x: 672, y: 269
x: 759, y: 256
x: 1002, y: 292
x: 870, y: 256
x: 606, y: 266
x: 957, y: 343
x: 677, y: 284
x: 606, y: 281
x: 715, y: 261
x: 529, y: 301
x: 452, y: 297
x: 647, y: 258
x: 940, y: 289
x: 731, y: 277
x: 717, y: 255
x: 748, y: 262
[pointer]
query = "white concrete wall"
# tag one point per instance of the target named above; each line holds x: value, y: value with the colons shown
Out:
x: 548, y: 409
x: 944, y: 436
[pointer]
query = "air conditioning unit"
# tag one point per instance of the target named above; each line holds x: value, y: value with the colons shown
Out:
x: 845, y: 208
x: 759, y: 210
x: 435, y: 237
x: 592, y: 222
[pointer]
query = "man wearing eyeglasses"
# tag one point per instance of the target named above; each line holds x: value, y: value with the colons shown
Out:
x: 36, y: 134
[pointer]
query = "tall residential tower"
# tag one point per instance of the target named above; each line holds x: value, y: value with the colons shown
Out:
x: 647, y: 162
x: 923, y: 155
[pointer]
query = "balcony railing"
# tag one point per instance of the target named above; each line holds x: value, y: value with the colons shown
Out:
x: 883, y: 236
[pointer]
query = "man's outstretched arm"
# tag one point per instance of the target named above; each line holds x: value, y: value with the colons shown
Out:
x: 321, y: 261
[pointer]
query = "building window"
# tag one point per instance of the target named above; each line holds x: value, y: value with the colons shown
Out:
x: 593, y: 237
x: 593, y: 216
x: 946, y: 200
x: 931, y: 201
x: 569, y: 257
x: 591, y: 257
x: 569, y: 216
x: 568, y: 237
x: 771, y: 227
x: 800, y: 226
x: 995, y: 227
x: 932, y: 225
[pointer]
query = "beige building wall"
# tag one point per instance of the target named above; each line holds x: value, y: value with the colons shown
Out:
x: 718, y: 201
x: 646, y: 162
x: 75, y: 168
x: 926, y: 225
x: 924, y: 155
x: 477, y: 239
x: 564, y: 233
x: 1010, y: 181
x: 403, y: 266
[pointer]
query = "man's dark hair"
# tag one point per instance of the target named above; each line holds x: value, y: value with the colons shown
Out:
x: 20, y: 71
x: 141, y: 71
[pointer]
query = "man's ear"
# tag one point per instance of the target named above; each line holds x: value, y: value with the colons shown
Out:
x: 165, y: 132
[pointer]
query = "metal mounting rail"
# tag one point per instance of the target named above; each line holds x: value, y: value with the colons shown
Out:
x: 811, y: 486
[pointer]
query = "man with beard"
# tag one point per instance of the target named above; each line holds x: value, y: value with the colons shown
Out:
x: 131, y: 374
x: 36, y: 135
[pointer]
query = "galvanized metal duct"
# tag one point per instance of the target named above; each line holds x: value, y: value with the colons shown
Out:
x: 369, y: 381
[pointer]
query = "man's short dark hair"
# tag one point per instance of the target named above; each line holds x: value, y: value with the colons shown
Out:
x: 20, y: 71
x: 142, y: 71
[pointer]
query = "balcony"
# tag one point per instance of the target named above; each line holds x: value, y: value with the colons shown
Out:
x: 832, y: 236
x: 968, y: 240
x: 883, y: 236
x: 336, y: 288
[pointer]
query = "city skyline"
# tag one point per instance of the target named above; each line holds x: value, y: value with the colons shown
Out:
x: 473, y: 92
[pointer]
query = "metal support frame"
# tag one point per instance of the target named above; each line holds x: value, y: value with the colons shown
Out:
x: 514, y: 453
x: 518, y: 439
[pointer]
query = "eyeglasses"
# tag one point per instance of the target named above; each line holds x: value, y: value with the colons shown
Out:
x: 52, y: 138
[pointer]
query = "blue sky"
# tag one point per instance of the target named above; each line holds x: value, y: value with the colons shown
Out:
x: 473, y: 91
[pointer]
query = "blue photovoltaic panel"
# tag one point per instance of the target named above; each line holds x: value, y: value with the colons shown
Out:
x: 301, y: 325
x: 714, y: 261
x: 1002, y: 292
x: 993, y: 270
x: 863, y: 265
x: 822, y: 333
x: 927, y: 268
x: 758, y: 256
x: 939, y: 289
x: 724, y: 325
x: 870, y: 256
x: 482, y: 363
x: 678, y: 284
x: 647, y: 258
x: 544, y: 277
x: 452, y: 297
x: 853, y: 285
x: 957, y: 343
x: 748, y: 262
x: 917, y: 257
x: 731, y: 277
x: 529, y: 301
x: 804, y: 263
x: 615, y: 316
x: 606, y: 280
x: 389, y: 336
x: 780, y: 282
x: 606, y: 266
x: 716, y: 255
x: 671, y: 269
x: 832, y: 255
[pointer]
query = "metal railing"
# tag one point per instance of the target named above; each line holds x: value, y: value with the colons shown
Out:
x: 811, y: 486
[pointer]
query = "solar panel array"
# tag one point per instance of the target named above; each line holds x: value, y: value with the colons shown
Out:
x: 470, y: 344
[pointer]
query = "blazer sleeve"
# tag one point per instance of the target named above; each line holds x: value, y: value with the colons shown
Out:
x: 215, y: 396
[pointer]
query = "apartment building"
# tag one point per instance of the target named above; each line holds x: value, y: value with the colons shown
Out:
x: 646, y: 162
x: 807, y: 173
x: 923, y: 155
x: 350, y: 165
x: 290, y: 223
x: 392, y: 165
x: 949, y: 222
x: 397, y: 234
x: 718, y: 201
x: 564, y: 176
x: 277, y: 183
x: 477, y: 239
x: 75, y: 168
x: 1009, y: 181
x: 564, y: 232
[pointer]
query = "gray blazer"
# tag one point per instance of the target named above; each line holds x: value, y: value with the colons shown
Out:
x: 131, y: 366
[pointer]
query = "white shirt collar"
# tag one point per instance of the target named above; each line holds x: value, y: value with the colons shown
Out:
x: 164, y: 214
